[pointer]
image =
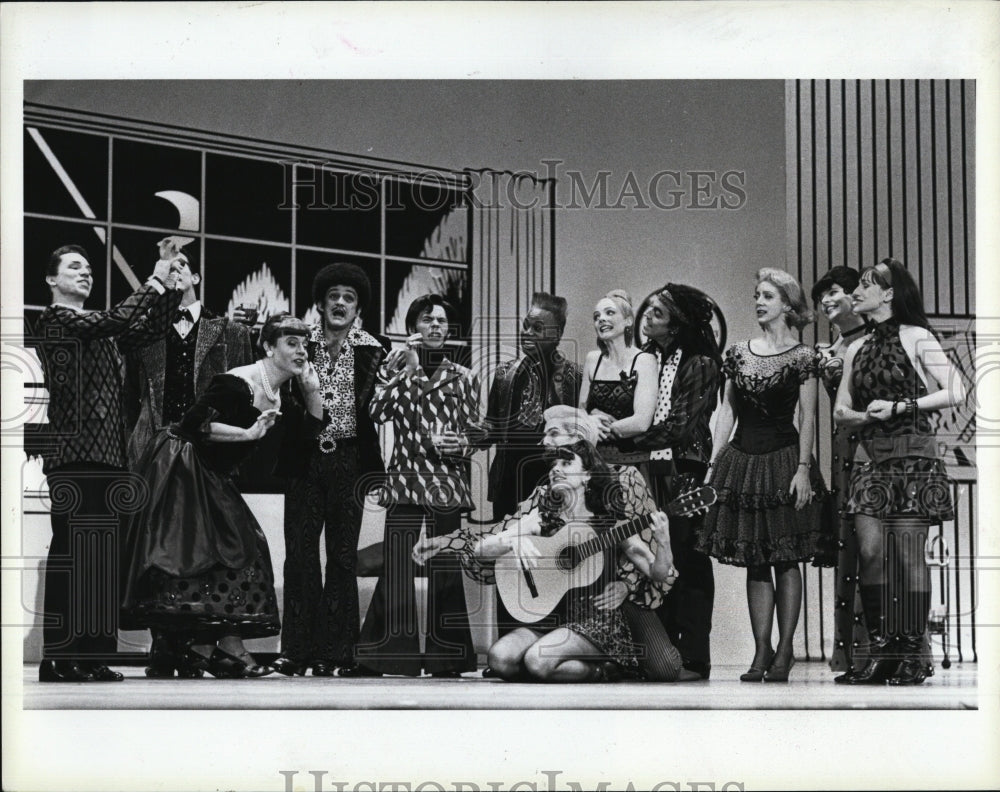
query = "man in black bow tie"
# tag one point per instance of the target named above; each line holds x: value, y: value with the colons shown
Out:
x: 163, y: 380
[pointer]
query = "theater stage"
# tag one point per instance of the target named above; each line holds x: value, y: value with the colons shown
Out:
x: 811, y: 686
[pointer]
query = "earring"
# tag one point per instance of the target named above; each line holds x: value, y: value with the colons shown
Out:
x: 270, y: 353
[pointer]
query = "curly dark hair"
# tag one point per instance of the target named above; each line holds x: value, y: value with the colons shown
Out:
x: 602, y: 494
x: 693, y: 310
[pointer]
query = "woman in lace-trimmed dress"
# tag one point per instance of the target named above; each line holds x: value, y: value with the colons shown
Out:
x: 886, y: 393
x: 768, y: 516
x: 197, y: 564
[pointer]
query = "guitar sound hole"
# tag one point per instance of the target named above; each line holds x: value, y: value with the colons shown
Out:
x: 568, y: 558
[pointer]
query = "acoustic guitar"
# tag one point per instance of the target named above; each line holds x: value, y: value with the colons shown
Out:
x: 573, y: 557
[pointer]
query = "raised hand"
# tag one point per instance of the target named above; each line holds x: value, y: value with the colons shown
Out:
x: 308, y: 379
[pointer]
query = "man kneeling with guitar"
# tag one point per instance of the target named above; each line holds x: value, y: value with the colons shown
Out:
x: 532, y: 589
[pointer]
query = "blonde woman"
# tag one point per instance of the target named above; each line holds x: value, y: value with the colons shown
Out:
x: 767, y: 518
x: 619, y: 381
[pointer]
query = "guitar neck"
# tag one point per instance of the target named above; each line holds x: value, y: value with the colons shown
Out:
x: 610, y: 538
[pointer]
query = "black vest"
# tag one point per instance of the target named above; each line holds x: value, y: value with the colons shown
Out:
x: 178, y: 380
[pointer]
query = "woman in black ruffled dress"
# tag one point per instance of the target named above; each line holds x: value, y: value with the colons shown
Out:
x: 196, y: 564
x: 768, y: 517
x: 903, y: 489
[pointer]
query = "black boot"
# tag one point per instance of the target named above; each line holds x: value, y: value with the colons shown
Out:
x: 162, y: 658
x: 883, y: 660
x: 872, y: 598
x: 913, y: 668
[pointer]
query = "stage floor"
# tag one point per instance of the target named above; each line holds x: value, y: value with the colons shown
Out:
x: 811, y: 686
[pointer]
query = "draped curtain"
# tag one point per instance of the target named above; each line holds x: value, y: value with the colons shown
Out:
x: 513, y: 256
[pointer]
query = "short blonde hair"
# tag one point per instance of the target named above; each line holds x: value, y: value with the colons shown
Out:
x: 791, y: 293
x: 573, y: 421
x: 623, y: 302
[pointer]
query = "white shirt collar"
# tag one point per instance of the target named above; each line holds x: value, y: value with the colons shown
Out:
x: 195, y: 309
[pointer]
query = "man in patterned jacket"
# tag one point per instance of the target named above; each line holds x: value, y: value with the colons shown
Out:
x: 326, y: 480
x: 90, y: 491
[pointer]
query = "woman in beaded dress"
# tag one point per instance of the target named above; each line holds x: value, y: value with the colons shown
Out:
x: 196, y: 563
x: 886, y: 393
x: 832, y: 294
x: 768, y: 517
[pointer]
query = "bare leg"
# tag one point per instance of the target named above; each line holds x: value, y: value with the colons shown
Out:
x: 562, y: 656
x: 506, y: 656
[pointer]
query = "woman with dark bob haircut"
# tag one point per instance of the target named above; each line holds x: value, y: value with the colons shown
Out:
x: 831, y: 294
x: 432, y: 405
x: 197, y: 564
x: 767, y: 518
x: 893, y: 378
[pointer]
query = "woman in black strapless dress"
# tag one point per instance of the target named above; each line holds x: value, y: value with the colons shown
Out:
x: 196, y: 564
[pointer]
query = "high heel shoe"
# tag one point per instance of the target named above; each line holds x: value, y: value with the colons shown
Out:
x: 101, y: 673
x: 779, y: 673
x: 756, y: 673
x: 356, y: 670
x: 224, y: 665
x: 289, y: 667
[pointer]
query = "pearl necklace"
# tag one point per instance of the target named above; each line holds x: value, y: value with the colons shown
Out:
x: 266, y: 382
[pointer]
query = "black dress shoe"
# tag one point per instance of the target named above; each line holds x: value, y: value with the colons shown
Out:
x: 324, y: 669
x: 159, y: 672
x: 223, y: 665
x: 355, y: 671
x: 63, y: 671
x: 101, y: 673
x: 489, y: 673
x: 289, y: 667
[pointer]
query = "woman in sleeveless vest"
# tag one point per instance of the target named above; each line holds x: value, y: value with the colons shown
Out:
x: 893, y: 379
